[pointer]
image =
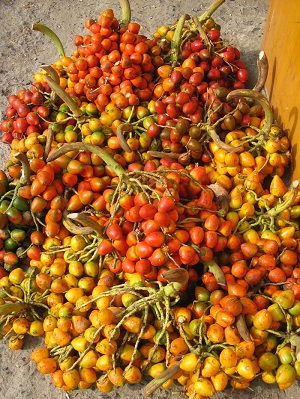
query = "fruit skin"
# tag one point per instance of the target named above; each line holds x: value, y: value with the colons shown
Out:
x: 245, y: 369
x: 262, y: 319
x: 204, y: 387
x: 71, y: 378
x: 39, y: 354
x: 285, y: 376
x: 15, y: 342
x: 189, y: 362
x: 47, y: 365
x: 268, y: 361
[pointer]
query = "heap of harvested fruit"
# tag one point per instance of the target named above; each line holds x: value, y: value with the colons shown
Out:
x: 145, y: 225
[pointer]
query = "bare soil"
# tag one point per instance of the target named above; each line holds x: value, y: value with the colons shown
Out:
x: 22, y: 52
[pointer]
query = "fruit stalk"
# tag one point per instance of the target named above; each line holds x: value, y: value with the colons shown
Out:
x: 92, y: 148
x: 126, y: 12
x: 11, y: 308
x: 157, y: 382
x: 263, y: 68
x: 261, y: 100
x: 53, y: 36
x: 211, y: 9
x: 86, y: 221
x: 64, y: 96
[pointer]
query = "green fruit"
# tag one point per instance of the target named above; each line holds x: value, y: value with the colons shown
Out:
x: 21, y: 204
x: 18, y: 235
x: 10, y: 244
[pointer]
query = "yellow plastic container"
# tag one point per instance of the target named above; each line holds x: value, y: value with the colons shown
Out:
x: 281, y: 43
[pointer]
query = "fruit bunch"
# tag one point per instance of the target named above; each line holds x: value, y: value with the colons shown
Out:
x: 146, y: 228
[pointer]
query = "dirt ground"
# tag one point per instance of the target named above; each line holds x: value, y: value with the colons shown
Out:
x: 22, y: 51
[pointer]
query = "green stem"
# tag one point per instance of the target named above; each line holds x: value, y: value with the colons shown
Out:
x: 131, y: 114
x: 126, y: 12
x: 13, y: 197
x: 183, y: 335
x: 121, y: 129
x: 8, y: 308
x: 161, y: 154
x: 47, y: 31
x: 211, y: 9
x: 258, y: 97
x: 175, y: 44
x: 65, y: 97
x: 51, y: 72
x: 215, y: 137
x: 157, y: 382
x: 288, y: 202
x: 138, y: 338
x: 92, y: 148
x: 204, y: 36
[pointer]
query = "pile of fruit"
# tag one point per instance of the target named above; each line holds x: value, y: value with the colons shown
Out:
x: 146, y: 228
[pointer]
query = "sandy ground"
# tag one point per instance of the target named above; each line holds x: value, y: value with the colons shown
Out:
x: 22, y: 51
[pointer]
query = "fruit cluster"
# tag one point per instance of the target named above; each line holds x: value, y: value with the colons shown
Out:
x: 146, y: 228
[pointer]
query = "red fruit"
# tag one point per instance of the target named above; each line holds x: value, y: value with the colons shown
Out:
x: 7, y: 138
x: 147, y: 211
x: 197, y: 45
x: 155, y: 239
x: 166, y: 204
x: 242, y: 75
x: 114, y: 232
